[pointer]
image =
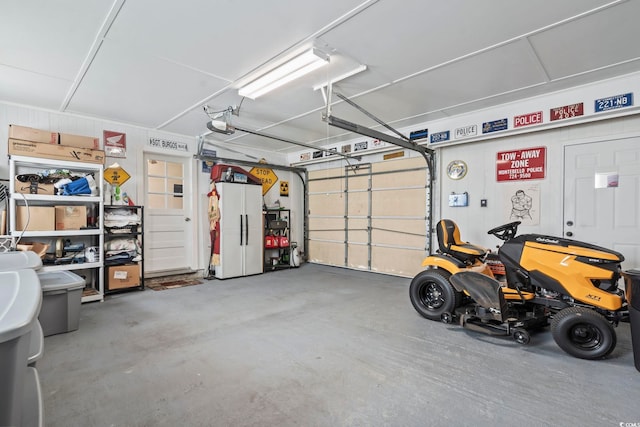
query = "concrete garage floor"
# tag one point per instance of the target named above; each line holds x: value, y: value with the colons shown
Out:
x: 315, y: 346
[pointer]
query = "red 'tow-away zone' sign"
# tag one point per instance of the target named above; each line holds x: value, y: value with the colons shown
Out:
x: 519, y: 165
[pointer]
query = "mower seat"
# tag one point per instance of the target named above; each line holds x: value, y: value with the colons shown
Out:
x: 449, y: 242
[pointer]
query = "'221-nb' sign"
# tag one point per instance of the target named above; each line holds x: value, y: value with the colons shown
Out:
x: 613, y: 102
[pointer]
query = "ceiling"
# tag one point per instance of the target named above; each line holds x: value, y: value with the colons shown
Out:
x: 157, y: 63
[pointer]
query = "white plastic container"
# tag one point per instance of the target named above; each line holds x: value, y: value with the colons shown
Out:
x: 32, y: 401
x: 20, y: 300
x: 61, y: 299
x: 18, y: 260
x: 36, y: 344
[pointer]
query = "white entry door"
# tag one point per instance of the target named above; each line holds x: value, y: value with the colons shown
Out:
x: 602, y: 196
x: 169, y: 228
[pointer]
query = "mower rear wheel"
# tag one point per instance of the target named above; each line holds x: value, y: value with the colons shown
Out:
x: 432, y: 295
x: 583, y: 333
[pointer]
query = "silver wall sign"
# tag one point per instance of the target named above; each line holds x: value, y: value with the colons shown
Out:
x: 168, y: 145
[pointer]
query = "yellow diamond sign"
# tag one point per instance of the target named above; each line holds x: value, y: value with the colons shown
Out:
x: 266, y: 176
x: 115, y: 175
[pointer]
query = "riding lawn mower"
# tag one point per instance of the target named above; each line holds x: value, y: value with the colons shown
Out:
x: 533, y: 281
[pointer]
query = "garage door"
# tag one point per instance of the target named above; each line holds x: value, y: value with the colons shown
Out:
x: 370, y: 217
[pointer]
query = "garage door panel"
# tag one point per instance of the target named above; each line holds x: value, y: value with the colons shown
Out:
x: 329, y: 180
x: 326, y: 229
x: 358, y: 257
x: 396, y: 261
x: 398, y: 179
x: 326, y: 252
x: 328, y: 185
x: 401, y: 177
x: 399, y: 165
x: 358, y: 204
x: 325, y: 173
x: 326, y: 204
x: 415, y: 226
x: 395, y: 239
x: 407, y: 233
x: 358, y: 182
x: 409, y: 202
x: 358, y: 230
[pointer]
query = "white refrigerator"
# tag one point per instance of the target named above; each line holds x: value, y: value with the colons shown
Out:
x: 241, y: 230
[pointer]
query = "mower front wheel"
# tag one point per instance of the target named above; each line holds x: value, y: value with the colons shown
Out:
x: 521, y: 336
x: 432, y: 295
x: 583, y: 333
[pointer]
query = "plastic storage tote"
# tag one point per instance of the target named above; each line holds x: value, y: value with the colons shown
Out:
x: 61, y: 299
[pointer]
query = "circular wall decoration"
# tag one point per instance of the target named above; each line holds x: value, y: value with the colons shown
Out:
x: 456, y: 169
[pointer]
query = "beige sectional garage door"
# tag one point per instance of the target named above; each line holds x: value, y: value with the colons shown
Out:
x: 370, y: 217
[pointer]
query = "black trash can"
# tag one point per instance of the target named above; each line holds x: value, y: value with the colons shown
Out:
x: 632, y: 293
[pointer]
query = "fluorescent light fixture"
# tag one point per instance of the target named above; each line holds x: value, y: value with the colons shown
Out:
x: 287, y: 72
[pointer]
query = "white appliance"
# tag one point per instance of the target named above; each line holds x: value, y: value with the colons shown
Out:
x: 241, y: 230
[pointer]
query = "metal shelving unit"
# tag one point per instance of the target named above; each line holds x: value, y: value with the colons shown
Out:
x: 134, y: 232
x: 93, y: 237
x: 276, y: 229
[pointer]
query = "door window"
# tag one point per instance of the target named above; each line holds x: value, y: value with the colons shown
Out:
x: 165, y: 182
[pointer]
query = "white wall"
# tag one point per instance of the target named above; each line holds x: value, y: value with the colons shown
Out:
x: 137, y: 144
x: 479, y: 152
x: 480, y: 181
x: 295, y: 200
x: 137, y: 138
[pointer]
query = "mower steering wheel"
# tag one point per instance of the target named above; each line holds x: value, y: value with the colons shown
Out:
x: 505, y: 232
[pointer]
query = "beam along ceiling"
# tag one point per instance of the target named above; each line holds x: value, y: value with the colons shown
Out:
x: 157, y: 63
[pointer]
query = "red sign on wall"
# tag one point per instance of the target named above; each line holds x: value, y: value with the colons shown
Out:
x: 115, y: 143
x: 567, y: 111
x: 527, y: 119
x: 519, y: 165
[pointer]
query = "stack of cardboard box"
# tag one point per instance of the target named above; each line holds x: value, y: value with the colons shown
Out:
x: 48, y: 218
x: 25, y: 141
x: 30, y: 142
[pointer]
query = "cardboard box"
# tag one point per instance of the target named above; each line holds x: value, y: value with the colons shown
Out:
x: 56, y: 152
x: 70, y: 217
x: 31, y: 134
x: 34, y: 188
x: 123, y: 276
x: 41, y: 218
x: 79, y: 141
x: 38, y: 247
